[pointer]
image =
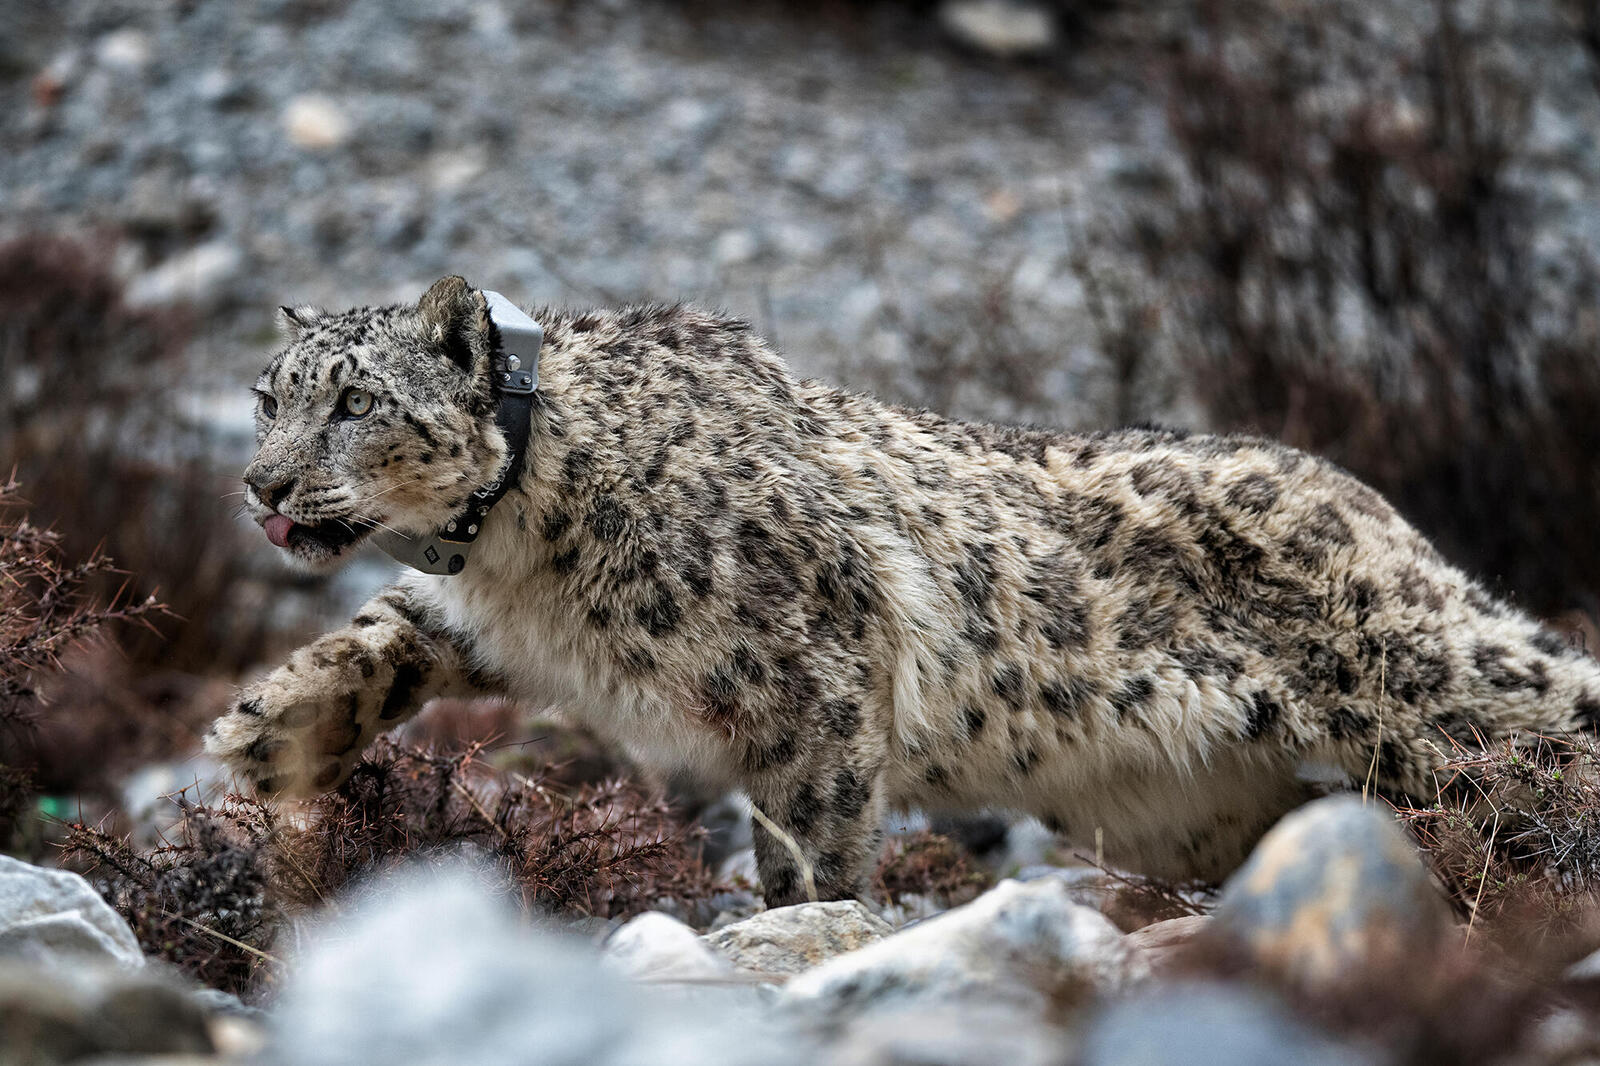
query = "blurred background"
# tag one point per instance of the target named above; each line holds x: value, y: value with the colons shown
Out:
x: 1369, y: 228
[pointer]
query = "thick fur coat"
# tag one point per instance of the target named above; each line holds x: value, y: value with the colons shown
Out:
x: 840, y: 606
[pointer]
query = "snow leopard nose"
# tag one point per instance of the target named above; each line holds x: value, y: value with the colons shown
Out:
x: 271, y: 492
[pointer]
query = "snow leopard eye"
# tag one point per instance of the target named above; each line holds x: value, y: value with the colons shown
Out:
x: 269, y: 405
x: 356, y: 403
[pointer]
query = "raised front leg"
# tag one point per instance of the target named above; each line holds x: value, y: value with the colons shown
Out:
x: 300, y: 730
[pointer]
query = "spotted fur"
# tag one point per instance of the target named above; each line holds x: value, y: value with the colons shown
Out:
x: 839, y: 605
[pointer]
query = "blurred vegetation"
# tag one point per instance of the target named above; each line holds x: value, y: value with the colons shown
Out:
x: 215, y: 900
x: 1354, y: 273
x: 91, y: 419
x: 48, y: 610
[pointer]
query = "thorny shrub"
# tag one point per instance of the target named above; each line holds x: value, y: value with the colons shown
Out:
x: 213, y: 901
x: 48, y: 608
x: 202, y: 901
x: 1514, y: 835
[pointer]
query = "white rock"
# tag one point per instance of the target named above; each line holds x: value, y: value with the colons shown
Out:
x: 316, y: 122
x: 1585, y: 969
x: 54, y: 918
x: 983, y: 1035
x: 791, y: 940
x: 197, y: 276
x: 451, y: 171
x: 735, y: 246
x: 1020, y: 943
x: 655, y: 947
x: 999, y: 27
x: 436, y: 971
x: 739, y: 865
x: 127, y: 50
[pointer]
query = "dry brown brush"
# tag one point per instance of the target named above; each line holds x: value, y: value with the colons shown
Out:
x: 215, y: 899
x: 929, y: 865
x: 1514, y: 839
x: 49, y: 607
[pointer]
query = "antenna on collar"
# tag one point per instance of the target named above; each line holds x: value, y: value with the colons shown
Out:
x: 516, y: 371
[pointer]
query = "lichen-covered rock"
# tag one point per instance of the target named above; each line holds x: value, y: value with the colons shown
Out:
x: 655, y: 947
x: 1023, y: 944
x: 791, y: 940
x: 54, y: 918
x: 1334, y: 890
x: 1199, y: 1025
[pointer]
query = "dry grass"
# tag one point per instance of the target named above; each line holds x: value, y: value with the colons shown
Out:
x: 1514, y: 838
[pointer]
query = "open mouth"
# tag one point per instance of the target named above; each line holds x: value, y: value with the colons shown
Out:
x: 321, y: 539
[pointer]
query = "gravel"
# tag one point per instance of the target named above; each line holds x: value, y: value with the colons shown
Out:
x: 798, y: 171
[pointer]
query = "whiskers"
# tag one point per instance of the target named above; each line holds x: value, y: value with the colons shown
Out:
x: 385, y: 492
x: 368, y: 524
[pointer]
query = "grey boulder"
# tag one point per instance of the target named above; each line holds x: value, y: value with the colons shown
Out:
x: 54, y: 918
x: 61, y: 1014
x: 1200, y: 1025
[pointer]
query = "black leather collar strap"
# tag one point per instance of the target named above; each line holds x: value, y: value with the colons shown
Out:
x: 516, y: 372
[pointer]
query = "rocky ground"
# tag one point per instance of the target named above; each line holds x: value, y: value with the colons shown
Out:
x: 906, y: 197
x: 803, y: 172
x: 830, y: 176
x: 1331, y: 945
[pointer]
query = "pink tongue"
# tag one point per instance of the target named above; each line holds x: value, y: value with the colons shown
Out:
x: 277, y: 528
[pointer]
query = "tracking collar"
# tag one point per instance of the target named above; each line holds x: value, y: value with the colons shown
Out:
x: 516, y: 371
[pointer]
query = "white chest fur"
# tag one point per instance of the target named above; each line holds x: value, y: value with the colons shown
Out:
x: 517, y: 629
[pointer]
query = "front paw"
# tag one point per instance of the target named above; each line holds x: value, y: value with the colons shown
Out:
x: 291, y: 736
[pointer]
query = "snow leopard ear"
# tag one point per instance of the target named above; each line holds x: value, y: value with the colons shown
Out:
x: 294, y: 321
x: 455, y: 316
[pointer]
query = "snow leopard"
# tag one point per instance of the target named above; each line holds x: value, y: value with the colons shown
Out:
x: 844, y: 607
